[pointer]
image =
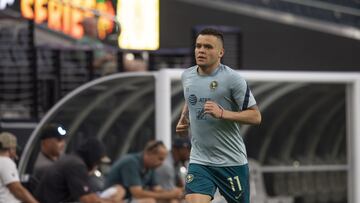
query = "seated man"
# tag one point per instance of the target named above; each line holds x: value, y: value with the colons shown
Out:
x: 11, y: 190
x: 136, y: 173
x: 52, y: 143
x: 67, y: 180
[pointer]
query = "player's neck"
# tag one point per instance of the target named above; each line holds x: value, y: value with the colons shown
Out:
x: 207, y: 70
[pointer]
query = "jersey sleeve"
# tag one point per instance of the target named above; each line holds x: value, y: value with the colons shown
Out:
x: 130, y: 174
x: 8, y: 172
x: 241, y: 92
x: 153, y: 180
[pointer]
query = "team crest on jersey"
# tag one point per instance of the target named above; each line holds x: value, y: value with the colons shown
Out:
x: 189, y: 178
x: 213, y: 85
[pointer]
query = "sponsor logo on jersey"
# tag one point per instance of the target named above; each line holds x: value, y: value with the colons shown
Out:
x: 200, y: 114
x: 192, y: 99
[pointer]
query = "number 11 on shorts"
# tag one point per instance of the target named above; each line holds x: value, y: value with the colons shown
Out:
x: 231, y: 181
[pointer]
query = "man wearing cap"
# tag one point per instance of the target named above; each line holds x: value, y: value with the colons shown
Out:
x: 67, y: 180
x: 52, y: 146
x: 11, y: 190
x: 168, y: 174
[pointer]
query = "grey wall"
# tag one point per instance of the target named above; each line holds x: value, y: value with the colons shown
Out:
x: 266, y: 44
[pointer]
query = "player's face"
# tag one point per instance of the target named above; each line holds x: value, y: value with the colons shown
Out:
x: 208, y: 51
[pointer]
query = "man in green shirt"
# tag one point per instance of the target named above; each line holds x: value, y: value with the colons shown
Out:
x: 135, y: 172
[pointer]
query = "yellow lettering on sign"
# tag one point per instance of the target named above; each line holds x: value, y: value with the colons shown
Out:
x: 26, y: 7
x: 88, y: 4
x: 77, y: 29
x: 67, y: 15
x: 55, y: 14
x: 41, y: 11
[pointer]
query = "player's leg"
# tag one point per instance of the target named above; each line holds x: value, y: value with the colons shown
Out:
x: 199, y: 187
x: 233, y: 183
x: 197, y: 198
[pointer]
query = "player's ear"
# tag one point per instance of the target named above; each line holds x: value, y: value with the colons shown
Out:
x: 221, y: 53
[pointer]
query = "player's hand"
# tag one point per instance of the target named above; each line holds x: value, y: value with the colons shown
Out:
x: 213, y: 109
x: 182, y: 126
x: 178, y: 193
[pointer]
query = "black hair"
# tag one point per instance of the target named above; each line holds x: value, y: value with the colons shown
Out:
x: 91, y: 151
x: 214, y: 32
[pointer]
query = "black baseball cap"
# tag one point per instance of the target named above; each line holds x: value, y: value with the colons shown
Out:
x: 92, y: 151
x: 53, y: 131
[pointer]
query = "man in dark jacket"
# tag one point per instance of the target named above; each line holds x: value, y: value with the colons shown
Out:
x: 68, y: 179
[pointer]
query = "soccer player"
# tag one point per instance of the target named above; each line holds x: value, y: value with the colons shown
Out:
x: 217, y: 101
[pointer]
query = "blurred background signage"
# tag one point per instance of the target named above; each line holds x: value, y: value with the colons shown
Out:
x: 139, y: 20
x: 66, y: 16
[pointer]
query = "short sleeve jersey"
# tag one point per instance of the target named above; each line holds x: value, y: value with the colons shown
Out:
x: 8, y: 174
x: 65, y: 181
x: 129, y: 171
x: 216, y: 142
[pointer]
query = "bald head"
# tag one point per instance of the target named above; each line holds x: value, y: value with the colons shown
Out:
x: 154, y: 154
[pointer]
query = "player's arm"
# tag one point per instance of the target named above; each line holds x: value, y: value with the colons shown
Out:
x: 138, y: 192
x: 240, y: 92
x: 183, y: 123
x: 21, y: 193
x: 251, y: 115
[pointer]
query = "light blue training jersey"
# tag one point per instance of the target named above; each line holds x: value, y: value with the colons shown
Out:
x: 216, y: 142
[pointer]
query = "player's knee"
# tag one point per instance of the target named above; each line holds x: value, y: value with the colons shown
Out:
x: 197, y: 198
